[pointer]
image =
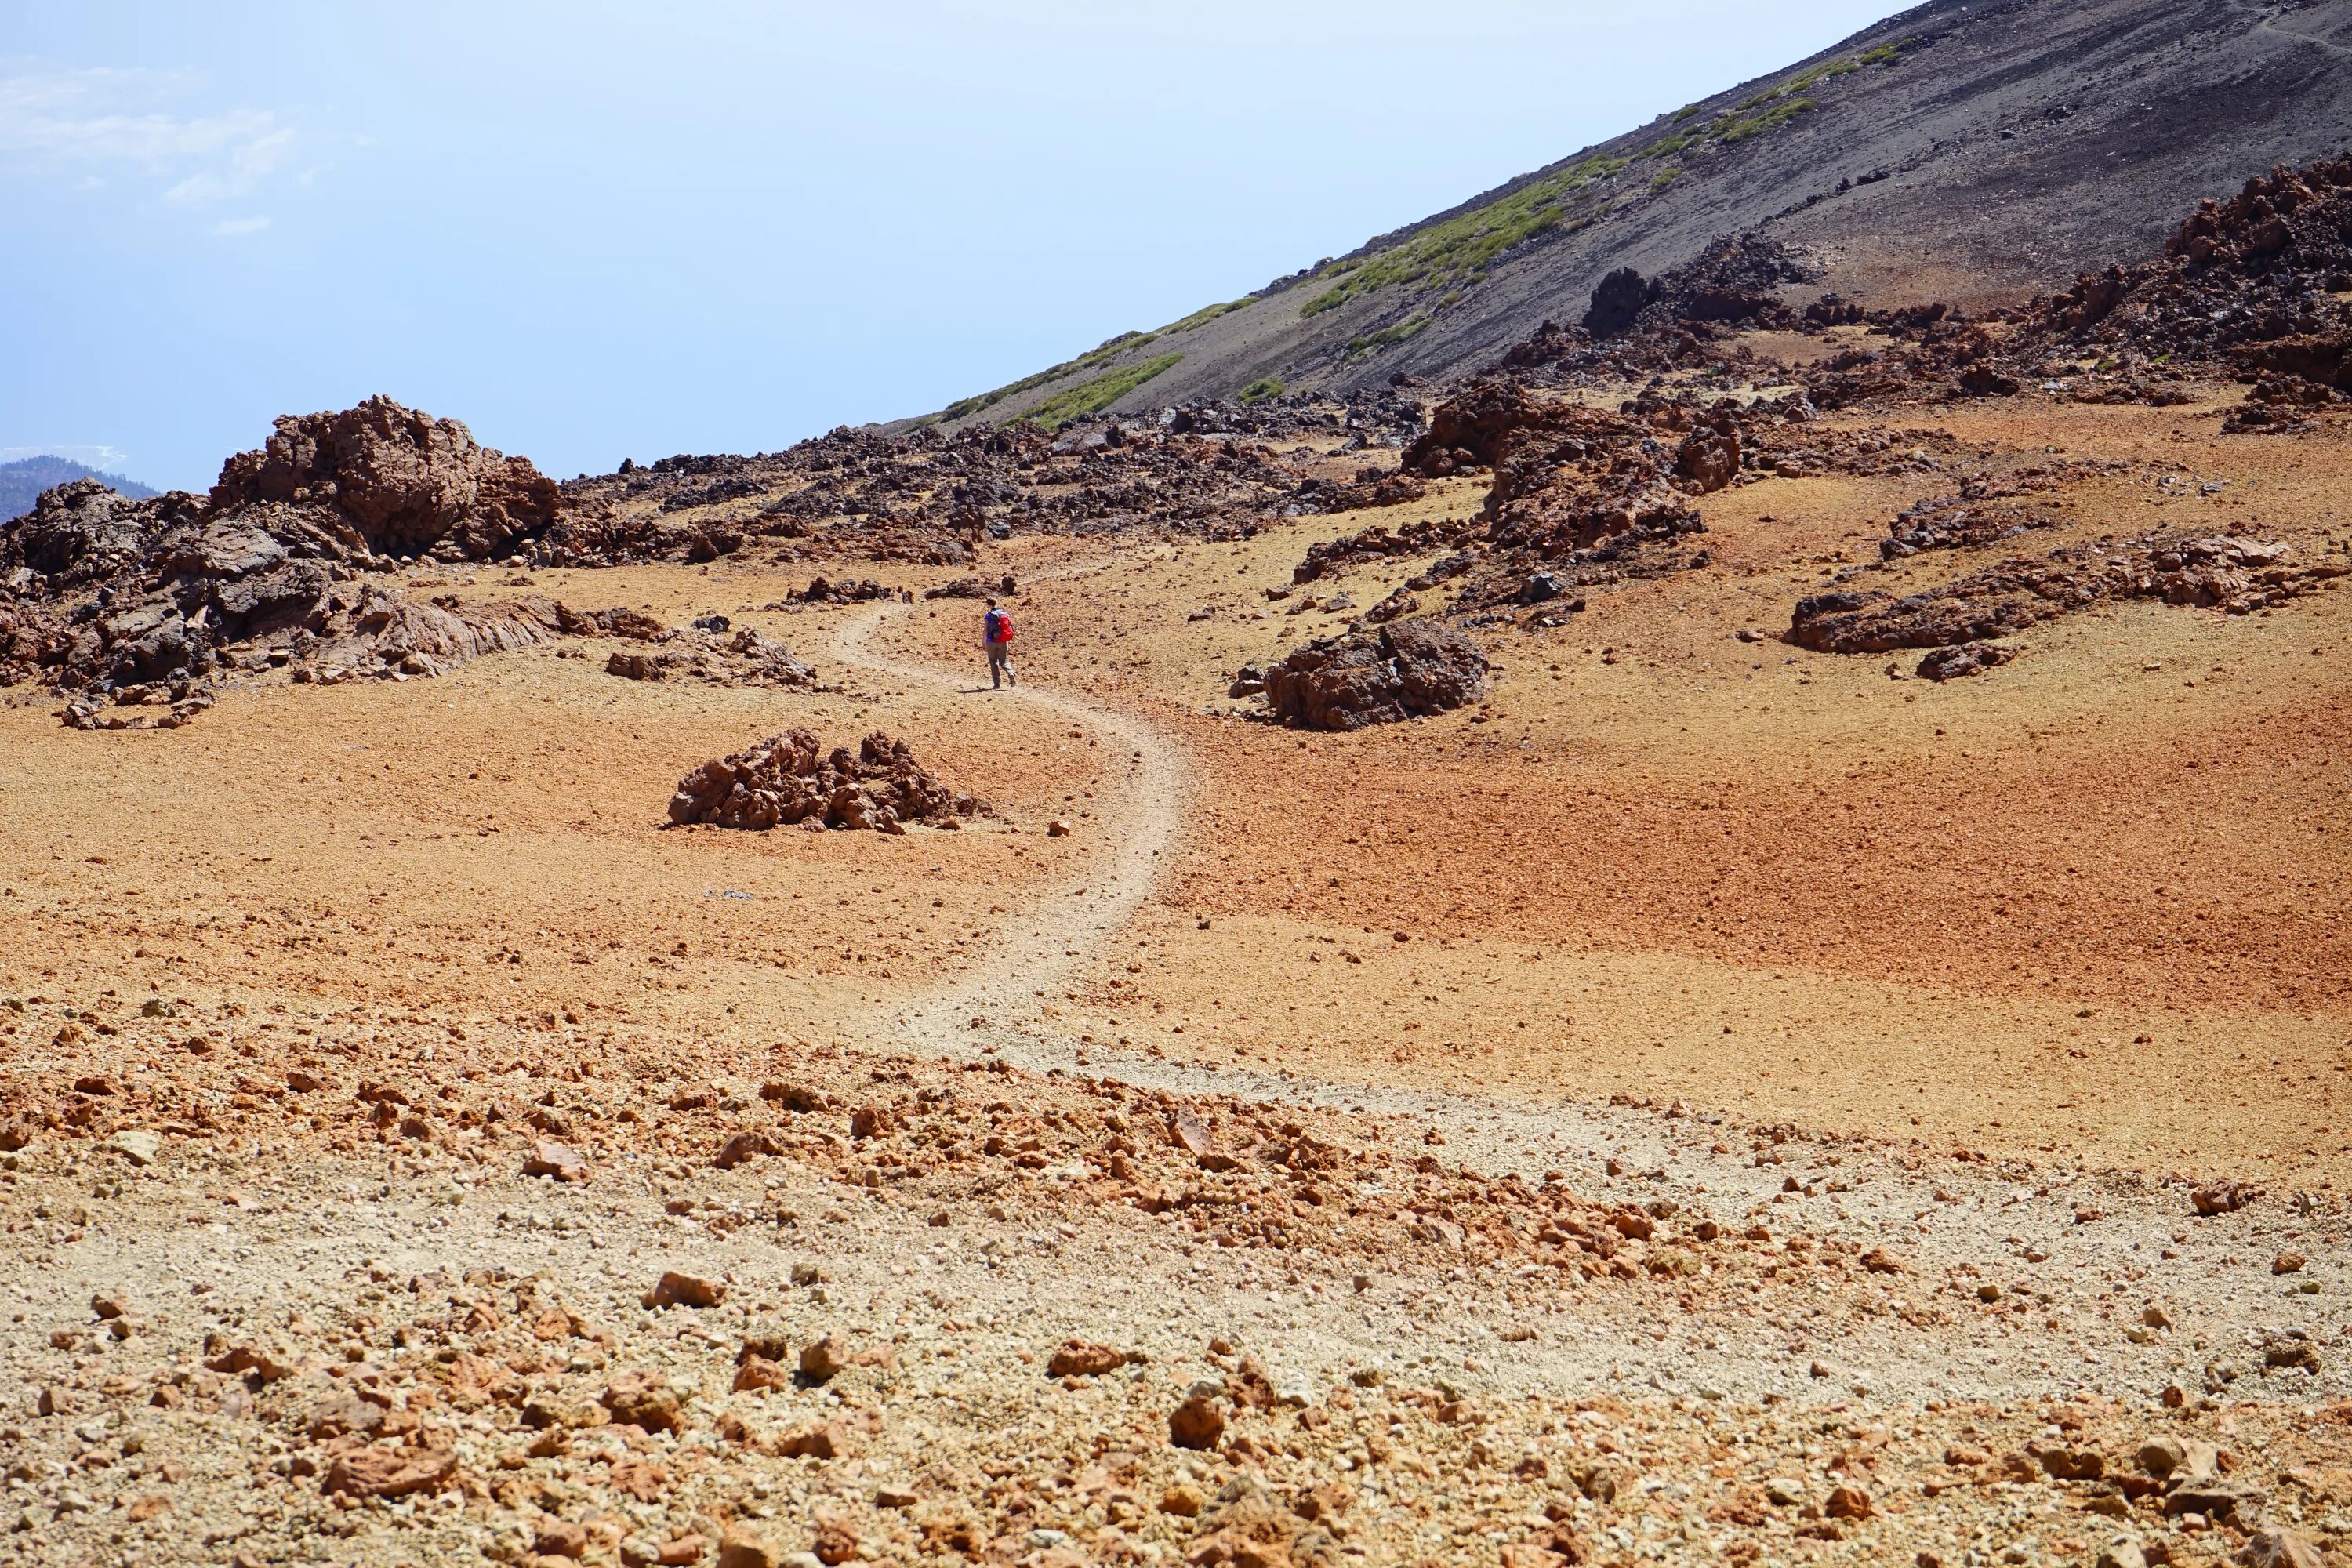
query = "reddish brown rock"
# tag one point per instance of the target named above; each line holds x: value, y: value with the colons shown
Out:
x: 676, y: 1289
x: 645, y: 1401
x: 1196, y: 1424
x: 786, y: 780
x: 389, y: 1472
x: 757, y: 1371
x: 1847, y: 1502
x: 1408, y: 670
x: 557, y: 1160
x: 1082, y: 1358
x: 824, y: 1440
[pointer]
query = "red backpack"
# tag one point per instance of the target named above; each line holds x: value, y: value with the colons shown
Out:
x: 1000, y: 626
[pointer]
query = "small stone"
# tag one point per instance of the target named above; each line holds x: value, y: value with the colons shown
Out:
x: 2281, y: 1549
x: 1196, y: 1424
x: 562, y: 1538
x: 1059, y: 828
x: 560, y: 1161
x: 824, y: 1359
x: 139, y: 1148
x: 107, y: 1307
x: 1785, y: 1492
x: 151, y: 1505
x: 1847, y: 1502
x: 739, y: 1548
x: 2122, y: 1551
x: 2074, y: 1464
x: 2160, y: 1456
x: 1182, y: 1500
x: 1878, y: 1261
x: 680, y: 1289
x: 741, y: 1147
x: 828, y: 1440
x: 893, y: 1494
x: 759, y: 1372
x: 1082, y: 1358
x: 263, y: 1359
x: 2287, y: 1263
x: 643, y: 1401
x: 389, y: 1472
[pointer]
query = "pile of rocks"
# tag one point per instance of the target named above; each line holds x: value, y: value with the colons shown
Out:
x: 1377, y: 675
x: 788, y: 779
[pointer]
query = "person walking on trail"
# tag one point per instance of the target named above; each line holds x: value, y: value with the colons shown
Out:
x: 996, y: 635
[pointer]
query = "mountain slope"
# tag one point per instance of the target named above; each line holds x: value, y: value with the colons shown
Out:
x: 21, y: 482
x: 1956, y: 150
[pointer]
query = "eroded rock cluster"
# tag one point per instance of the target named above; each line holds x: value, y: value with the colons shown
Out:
x: 134, y: 603
x: 2225, y: 573
x: 789, y: 779
x: 1408, y: 670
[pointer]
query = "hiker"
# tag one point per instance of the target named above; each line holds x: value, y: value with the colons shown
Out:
x: 996, y: 637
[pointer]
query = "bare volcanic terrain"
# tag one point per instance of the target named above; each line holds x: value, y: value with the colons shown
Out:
x: 1724, y: 942
x: 1960, y: 150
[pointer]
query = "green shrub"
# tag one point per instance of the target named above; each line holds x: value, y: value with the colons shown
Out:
x: 1203, y: 317
x: 1459, y: 250
x: 1109, y: 348
x: 1094, y: 397
x: 1665, y: 177
x: 1772, y: 118
x: 1264, y: 388
x: 1389, y: 337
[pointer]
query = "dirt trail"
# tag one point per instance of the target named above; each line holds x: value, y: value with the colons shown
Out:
x: 1050, y: 943
x: 1942, y: 1215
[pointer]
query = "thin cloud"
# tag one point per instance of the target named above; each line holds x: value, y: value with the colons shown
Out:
x: 102, y: 123
x: 235, y: 225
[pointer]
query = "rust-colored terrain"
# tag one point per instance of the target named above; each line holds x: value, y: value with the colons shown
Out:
x: 1835, y: 1050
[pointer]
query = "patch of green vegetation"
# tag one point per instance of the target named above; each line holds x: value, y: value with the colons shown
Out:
x: 1766, y: 111
x: 1459, y: 250
x: 1771, y: 119
x: 1665, y: 177
x: 1263, y: 389
x: 1389, y: 337
x: 1094, y: 397
x: 1203, y: 317
x: 1108, y: 348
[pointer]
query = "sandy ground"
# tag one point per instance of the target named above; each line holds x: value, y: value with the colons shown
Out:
x: 1978, y: 976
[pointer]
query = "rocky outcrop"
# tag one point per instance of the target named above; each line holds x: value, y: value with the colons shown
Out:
x: 1405, y: 670
x: 788, y: 779
x: 2238, y: 576
x: 403, y: 482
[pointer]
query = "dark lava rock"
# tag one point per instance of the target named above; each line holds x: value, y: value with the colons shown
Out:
x: 1406, y: 670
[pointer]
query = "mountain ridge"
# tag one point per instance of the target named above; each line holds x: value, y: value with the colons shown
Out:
x: 1970, y: 153
x: 23, y: 480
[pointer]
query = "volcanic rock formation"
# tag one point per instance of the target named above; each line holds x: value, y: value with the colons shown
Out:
x: 787, y: 779
x: 1405, y: 670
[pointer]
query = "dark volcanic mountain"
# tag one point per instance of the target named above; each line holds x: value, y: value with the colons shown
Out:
x: 1962, y: 152
x: 21, y: 482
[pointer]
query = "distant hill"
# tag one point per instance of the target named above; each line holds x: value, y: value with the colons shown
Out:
x: 1966, y: 151
x: 21, y: 482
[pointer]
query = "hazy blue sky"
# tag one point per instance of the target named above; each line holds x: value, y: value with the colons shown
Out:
x: 595, y: 231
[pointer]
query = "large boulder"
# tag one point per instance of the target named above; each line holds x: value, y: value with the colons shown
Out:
x: 407, y: 482
x: 1408, y: 670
